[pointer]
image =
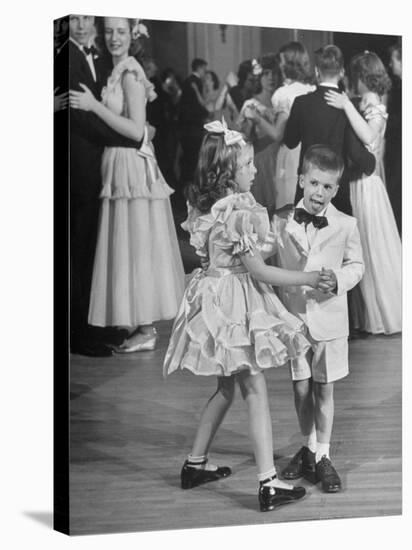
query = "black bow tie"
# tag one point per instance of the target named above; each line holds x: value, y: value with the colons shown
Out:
x: 92, y: 50
x: 303, y: 216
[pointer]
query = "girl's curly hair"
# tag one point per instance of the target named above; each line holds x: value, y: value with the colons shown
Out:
x: 136, y: 48
x: 215, y: 172
x: 295, y: 62
x: 369, y: 69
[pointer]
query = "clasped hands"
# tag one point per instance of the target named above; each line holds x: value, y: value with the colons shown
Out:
x: 327, y: 281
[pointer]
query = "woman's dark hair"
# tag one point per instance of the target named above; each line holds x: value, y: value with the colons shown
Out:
x: 215, y: 172
x: 136, y: 49
x: 369, y: 69
x: 244, y: 69
x: 269, y: 62
x: 215, y: 79
x: 295, y: 62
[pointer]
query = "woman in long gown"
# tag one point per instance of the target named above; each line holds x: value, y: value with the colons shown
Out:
x: 268, y: 77
x: 381, y: 285
x: 297, y: 75
x: 138, y: 275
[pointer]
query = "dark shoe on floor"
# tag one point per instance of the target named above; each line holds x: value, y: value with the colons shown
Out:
x: 328, y: 476
x: 114, y: 336
x: 273, y: 497
x: 302, y: 464
x: 192, y: 477
x: 91, y: 350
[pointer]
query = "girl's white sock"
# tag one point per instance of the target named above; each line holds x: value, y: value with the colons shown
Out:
x: 200, y: 463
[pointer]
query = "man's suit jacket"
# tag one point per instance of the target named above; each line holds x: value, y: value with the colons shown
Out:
x: 336, y: 246
x: 192, y: 115
x: 88, y: 133
x: 312, y: 121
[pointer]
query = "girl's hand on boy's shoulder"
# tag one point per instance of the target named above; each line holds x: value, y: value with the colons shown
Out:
x: 336, y: 99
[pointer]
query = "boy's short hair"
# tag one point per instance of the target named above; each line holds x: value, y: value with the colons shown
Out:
x: 197, y: 63
x: 323, y: 158
x: 329, y: 60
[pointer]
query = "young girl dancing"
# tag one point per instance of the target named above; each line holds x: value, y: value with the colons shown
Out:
x: 381, y: 285
x: 230, y: 323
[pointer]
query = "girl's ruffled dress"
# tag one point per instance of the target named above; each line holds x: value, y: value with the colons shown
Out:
x: 138, y: 274
x: 228, y: 321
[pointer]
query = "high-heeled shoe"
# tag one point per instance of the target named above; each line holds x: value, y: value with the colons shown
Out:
x: 271, y: 497
x: 146, y: 345
x: 192, y: 477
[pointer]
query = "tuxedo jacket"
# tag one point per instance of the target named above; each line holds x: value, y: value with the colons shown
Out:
x: 336, y: 246
x: 88, y: 133
x: 312, y: 121
x: 192, y: 115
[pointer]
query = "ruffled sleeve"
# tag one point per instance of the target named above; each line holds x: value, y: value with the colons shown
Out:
x: 199, y: 227
x: 246, y: 225
x: 282, y: 101
x: 131, y: 65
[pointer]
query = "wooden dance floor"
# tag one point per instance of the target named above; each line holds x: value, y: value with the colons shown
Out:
x: 131, y: 430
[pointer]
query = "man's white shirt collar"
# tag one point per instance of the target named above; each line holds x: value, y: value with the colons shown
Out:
x: 329, y: 85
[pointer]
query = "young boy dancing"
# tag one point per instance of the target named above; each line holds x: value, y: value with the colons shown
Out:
x: 315, y: 235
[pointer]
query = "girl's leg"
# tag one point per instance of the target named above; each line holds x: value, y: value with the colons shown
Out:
x: 272, y: 491
x: 213, y: 414
x: 254, y: 392
x: 196, y: 469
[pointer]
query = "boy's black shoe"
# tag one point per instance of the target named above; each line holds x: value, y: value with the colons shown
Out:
x: 302, y: 464
x: 273, y: 497
x: 327, y: 474
x: 192, y: 477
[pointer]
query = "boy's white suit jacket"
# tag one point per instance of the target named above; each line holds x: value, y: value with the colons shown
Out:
x: 336, y: 246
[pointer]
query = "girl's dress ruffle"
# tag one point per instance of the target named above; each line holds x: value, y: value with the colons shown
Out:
x: 228, y: 321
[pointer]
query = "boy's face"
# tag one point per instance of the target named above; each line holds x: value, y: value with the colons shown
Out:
x: 319, y: 188
x: 246, y: 170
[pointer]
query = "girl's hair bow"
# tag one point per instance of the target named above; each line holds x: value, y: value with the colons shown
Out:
x: 220, y: 127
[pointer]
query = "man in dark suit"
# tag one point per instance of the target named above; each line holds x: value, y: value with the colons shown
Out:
x: 312, y: 121
x: 192, y: 116
x: 78, y: 63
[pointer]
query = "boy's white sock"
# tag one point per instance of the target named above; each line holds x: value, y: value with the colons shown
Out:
x: 310, y: 440
x: 322, y: 449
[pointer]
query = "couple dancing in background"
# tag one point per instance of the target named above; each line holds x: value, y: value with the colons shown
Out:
x: 137, y: 275
x: 303, y: 116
